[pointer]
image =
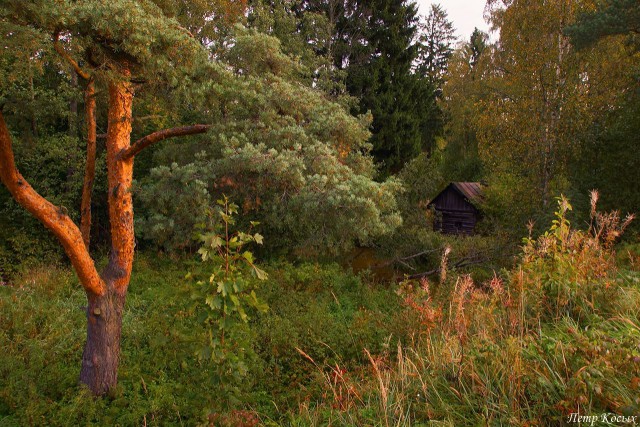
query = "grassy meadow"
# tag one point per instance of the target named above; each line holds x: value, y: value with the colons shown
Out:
x: 557, y: 333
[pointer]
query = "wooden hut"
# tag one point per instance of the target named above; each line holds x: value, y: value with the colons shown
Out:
x: 457, y: 208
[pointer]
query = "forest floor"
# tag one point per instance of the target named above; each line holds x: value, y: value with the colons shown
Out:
x: 334, y: 348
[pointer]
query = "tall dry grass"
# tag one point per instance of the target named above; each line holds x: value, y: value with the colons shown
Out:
x: 555, y: 335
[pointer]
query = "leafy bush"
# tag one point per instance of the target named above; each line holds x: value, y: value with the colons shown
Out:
x: 226, y: 299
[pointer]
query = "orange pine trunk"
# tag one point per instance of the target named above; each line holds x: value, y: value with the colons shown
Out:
x: 106, y: 291
x: 104, y: 312
x: 102, y: 350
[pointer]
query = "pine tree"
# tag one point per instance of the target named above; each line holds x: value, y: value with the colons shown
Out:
x: 373, y: 46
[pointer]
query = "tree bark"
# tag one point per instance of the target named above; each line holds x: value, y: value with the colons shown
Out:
x: 161, y: 135
x: 120, y: 176
x: 104, y: 312
x: 102, y: 350
x: 90, y: 167
x: 105, y: 292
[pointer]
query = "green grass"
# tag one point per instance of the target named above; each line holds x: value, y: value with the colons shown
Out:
x: 322, y: 310
x: 43, y: 328
x: 555, y: 335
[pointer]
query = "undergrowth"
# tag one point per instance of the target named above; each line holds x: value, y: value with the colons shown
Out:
x: 327, y: 312
x: 558, y: 334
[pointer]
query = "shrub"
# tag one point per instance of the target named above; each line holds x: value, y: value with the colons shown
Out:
x: 225, y: 301
x: 572, y: 273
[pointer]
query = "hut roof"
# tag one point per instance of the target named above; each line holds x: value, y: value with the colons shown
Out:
x: 472, y: 191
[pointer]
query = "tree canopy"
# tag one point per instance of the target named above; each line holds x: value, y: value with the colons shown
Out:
x: 142, y: 67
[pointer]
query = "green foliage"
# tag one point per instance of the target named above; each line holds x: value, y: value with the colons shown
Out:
x: 176, y: 199
x: 136, y: 33
x: 462, y: 92
x: 293, y: 158
x: 437, y: 37
x: 306, y: 32
x: 612, y: 17
x: 416, y: 248
x: 566, y: 270
x: 379, y: 75
x: 55, y: 167
x: 606, y: 157
x: 42, y: 332
x: 328, y: 313
x: 528, y: 121
x: 422, y: 180
x: 541, y: 114
x: 364, y: 56
x: 225, y: 302
x: 509, y: 204
x: 554, y: 335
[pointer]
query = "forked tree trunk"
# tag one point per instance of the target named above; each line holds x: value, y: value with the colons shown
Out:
x: 104, y: 311
x: 102, y: 350
x: 105, y: 292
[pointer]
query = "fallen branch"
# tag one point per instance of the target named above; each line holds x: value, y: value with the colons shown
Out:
x: 403, y: 260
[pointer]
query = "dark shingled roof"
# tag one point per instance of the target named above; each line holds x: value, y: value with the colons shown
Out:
x: 471, y: 190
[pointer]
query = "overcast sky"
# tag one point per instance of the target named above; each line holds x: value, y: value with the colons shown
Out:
x: 465, y: 14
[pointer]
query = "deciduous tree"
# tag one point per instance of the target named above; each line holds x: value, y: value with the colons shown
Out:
x: 526, y: 125
x: 463, y: 91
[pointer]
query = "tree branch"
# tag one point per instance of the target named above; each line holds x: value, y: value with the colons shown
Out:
x: 56, y: 45
x: 90, y: 166
x: 48, y: 214
x: 161, y: 135
x: 403, y: 260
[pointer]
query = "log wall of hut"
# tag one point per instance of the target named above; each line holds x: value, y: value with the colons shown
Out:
x: 455, y: 222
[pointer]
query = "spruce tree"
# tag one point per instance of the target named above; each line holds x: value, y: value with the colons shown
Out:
x: 379, y: 74
x: 436, y: 45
